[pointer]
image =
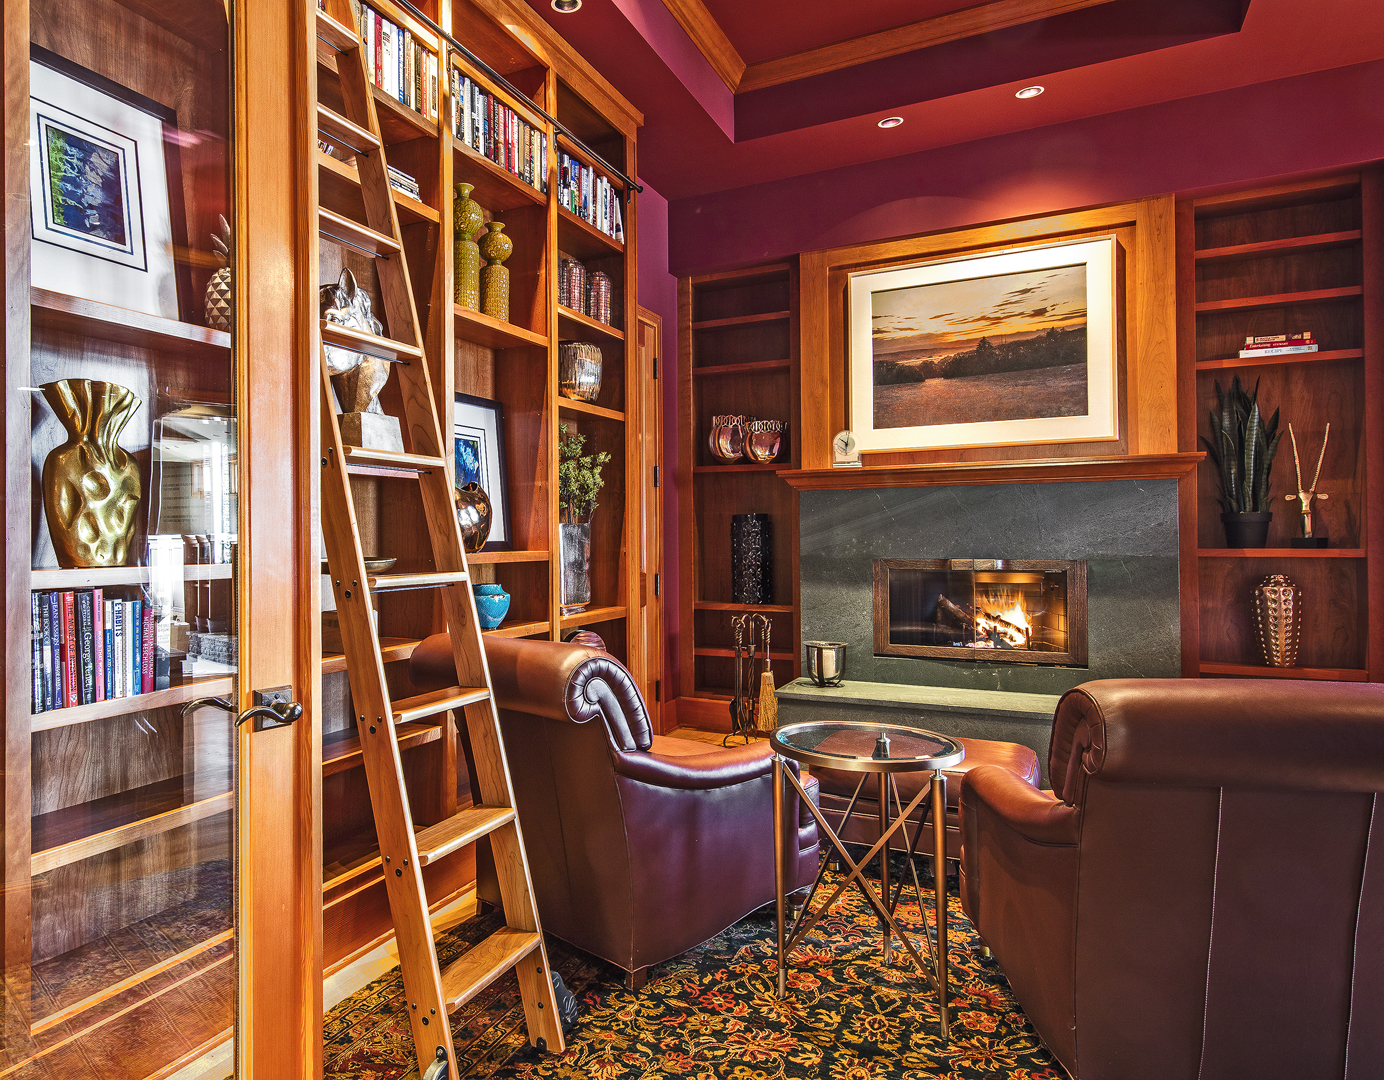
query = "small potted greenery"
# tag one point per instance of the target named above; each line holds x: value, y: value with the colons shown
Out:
x: 578, y: 482
x: 1242, y: 447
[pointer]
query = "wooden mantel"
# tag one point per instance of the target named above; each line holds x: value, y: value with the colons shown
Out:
x: 947, y: 474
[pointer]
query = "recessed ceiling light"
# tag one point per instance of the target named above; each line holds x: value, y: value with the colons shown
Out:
x: 566, y: 6
x: 887, y: 122
x: 1023, y: 95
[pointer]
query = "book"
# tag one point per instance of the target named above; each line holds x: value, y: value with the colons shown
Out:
x: 109, y: 659
x: 1269, y: 338
x: 55, y: 665
x: 1280, y: 344
x: 71, y: 693
x: 86, y: 646
x: 119, y: 667
x: 146, y: 657
x: 1285, y: 350
x: 134, y: 626
x: 36, y: 650
x: 49, y: 700
x: 98, y: 639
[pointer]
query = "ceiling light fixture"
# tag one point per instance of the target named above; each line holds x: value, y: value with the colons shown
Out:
x: 887, y: 122
x: 1023, y: 95
x: 566, y: 6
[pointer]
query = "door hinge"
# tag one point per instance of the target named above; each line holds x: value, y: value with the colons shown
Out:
x: 656, y: 583
x: 658, y: 689
x: 655, y: 476
x: 655, y: 367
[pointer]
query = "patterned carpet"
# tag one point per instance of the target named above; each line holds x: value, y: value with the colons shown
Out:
x: 711, y: 1014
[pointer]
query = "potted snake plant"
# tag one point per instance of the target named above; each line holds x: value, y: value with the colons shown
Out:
x: 578, y: 482
x: 1242, y: 447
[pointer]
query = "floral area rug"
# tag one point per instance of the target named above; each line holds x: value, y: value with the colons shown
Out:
x: 711, y: 1014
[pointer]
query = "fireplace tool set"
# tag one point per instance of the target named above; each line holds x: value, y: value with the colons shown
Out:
x: 754, y: 708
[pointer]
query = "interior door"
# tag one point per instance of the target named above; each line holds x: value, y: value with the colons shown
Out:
x: 160, y: 901
x: 649, y: 619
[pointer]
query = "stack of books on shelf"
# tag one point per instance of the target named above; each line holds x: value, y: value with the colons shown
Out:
x: 87, y: 648
x: 403, y: 182
x: 490, y: 127
x: 1278, y: 345
x: 401, y: 67
x: 590, y: 196
x: 588, y: 293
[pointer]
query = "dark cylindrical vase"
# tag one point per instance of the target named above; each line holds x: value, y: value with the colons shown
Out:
x: 1246, y: 530
x: 751, y: 559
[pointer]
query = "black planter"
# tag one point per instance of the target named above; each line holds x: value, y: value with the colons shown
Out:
x: 751, y: 559
x: 1246, y: 530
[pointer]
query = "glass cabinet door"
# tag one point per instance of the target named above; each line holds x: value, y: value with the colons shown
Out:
x: 120, y: 837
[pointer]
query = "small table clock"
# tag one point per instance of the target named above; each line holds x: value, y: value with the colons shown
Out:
x: 843, y: 449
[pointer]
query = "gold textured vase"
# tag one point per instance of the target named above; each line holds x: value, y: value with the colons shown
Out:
x: 91, y: 486
x: 496, y: 247
x: 1278, y: 620
x: 467, y: 220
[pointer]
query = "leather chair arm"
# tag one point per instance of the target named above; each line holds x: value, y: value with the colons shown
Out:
x: 1038, y: 816
x: 699, y: 772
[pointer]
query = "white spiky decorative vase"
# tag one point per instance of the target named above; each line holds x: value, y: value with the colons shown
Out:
x: 216, y: 308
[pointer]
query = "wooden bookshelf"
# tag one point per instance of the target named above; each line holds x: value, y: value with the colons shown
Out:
x: 205, y: 686
x: 1295, y: 257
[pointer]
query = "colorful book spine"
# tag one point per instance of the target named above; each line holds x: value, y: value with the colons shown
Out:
x: 119, y: 667
x: 98, y: 638
x: 134, y: 624
x: 70, y: 677
x: 36, y: 650
x: 50, y: 700
x: 146, y: 655
x: 1285, y: 350
x: 56, y: 667
x: 86, y: 647
x: 109, y: 660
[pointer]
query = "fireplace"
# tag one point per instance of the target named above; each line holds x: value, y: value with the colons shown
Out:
x: 1010, y: 611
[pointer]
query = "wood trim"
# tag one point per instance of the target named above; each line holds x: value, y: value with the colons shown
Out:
x: 1188, y: 566
x: 1372, y: 221
x: 1151, y: 335
x: 1050, y: 470
x: 953, y: 26
x: 710, y: 39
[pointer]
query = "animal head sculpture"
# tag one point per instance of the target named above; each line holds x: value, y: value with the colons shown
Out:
x: 358, y: 378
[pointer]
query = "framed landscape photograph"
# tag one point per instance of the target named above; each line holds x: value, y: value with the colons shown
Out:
x: 106, y: 201
x: 995, y: 350
x: 478, y: 448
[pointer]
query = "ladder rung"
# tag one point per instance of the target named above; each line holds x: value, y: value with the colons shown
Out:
x: 357, y: 455
x: 407, y: 710
x: 358, y: 341
x: 483, y: 963
x: 345, y: 753
x: 440, y: 840
x: 340, y: 38
x: 393, y: 582
x: 362, y: 237
x: 339, y: 130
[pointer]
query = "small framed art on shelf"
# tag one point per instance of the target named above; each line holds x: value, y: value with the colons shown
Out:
x: 478, y: 446
x: 106, y: 190
x: 1013, y: 348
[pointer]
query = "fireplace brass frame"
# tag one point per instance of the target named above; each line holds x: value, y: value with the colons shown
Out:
x: 1075, y: 656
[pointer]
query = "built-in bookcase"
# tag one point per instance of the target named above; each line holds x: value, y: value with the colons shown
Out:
x: 1298, y: 257
x: 738, y: 345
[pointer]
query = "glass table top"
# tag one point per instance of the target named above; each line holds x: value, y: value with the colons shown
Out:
x: 863, y: 747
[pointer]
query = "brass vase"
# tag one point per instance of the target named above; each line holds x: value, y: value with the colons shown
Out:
x: 467, y: 220
x: 475, y: 514
x: 91, y: 486
x: 496, y: 247
x: 1278, y: 620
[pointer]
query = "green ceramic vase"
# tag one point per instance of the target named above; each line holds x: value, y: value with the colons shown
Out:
x: 496, y: 247
x: 467, y: 220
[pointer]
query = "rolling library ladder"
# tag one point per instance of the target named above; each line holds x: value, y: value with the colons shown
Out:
x: 432, y: 993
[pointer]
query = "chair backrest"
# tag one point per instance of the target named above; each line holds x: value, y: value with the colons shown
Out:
x: 1230, y: 898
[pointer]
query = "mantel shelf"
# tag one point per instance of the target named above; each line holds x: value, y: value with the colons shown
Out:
x: 948, y: 474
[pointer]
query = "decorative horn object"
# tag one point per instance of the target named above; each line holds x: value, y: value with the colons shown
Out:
x: 1309, y: 537
x: 1278, y: 620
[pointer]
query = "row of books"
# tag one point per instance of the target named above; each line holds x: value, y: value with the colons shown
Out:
x: 402, y: 68
x: 402, y: 181
x: 589, y: 195
x: 1279, y: 345
x: 87, y: 648
x: 490, y: 127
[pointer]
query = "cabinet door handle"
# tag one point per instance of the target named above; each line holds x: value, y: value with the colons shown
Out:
x: 277, y: 714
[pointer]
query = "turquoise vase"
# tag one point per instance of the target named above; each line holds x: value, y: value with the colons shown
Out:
x: 492, y: 604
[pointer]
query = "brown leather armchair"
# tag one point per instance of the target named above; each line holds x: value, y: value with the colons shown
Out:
x: 640, y: 846
x: 1203, y: 895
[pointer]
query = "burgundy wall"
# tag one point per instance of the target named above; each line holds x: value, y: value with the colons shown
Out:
x: 658, y: 291
x: 1324, y: 120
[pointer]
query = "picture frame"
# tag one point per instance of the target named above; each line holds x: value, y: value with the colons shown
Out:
x: 105, y: 185
x: 1000, y: 349
x: 478, y: 452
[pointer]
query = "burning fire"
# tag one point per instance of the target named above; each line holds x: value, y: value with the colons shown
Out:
x: 1001, y: 615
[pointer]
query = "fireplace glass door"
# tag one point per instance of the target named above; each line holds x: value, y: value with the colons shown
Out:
x: 987, y: 610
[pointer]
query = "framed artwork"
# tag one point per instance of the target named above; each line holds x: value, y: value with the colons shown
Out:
x: 478, y: 448
x: 105, y: 189
x: 994, y: 350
